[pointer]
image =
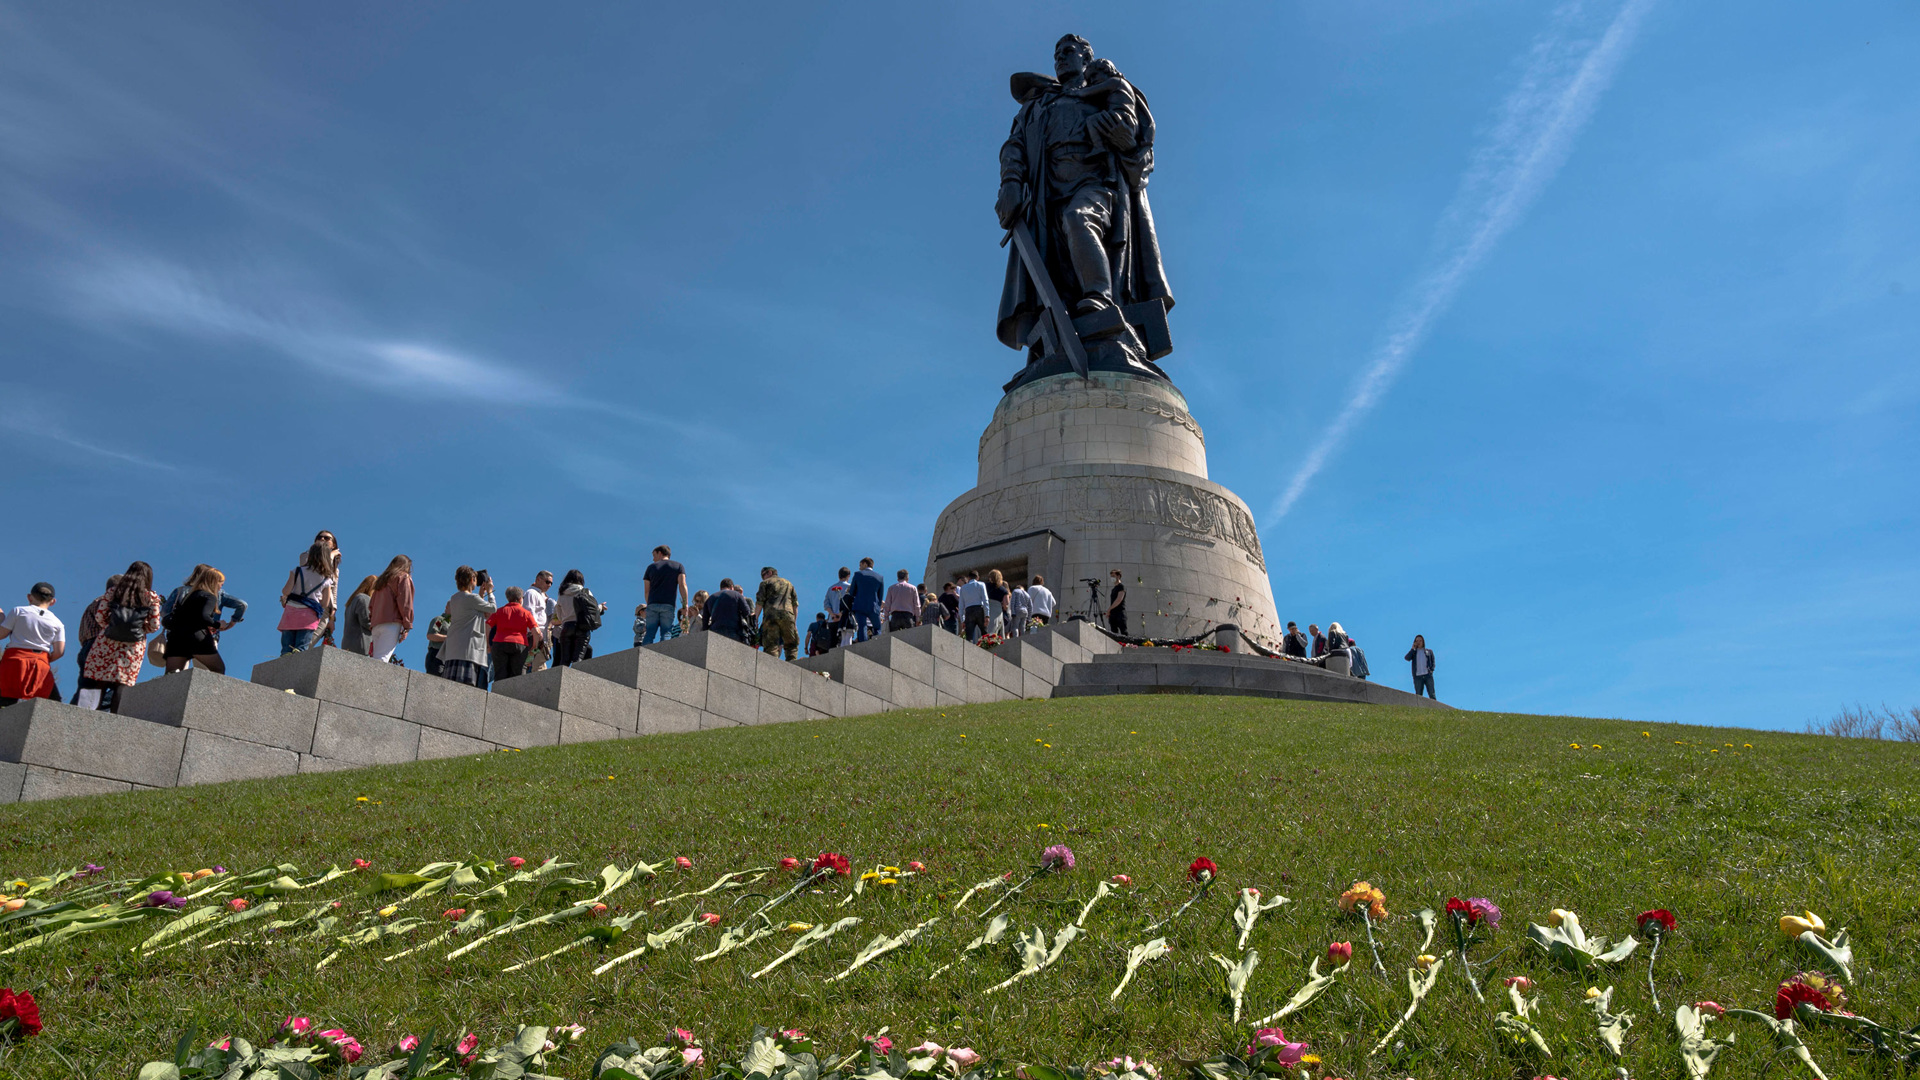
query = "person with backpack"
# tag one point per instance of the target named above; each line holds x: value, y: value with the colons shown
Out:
x: 580, y: 616
x: 193, y: 626
x: 307, y: 599
x: 464, y: 652
x: 357, y: 636
x: 726, y: 612
x: 391, y: 608
x: 238, y: 606
x: 130, y: 615
x: 325, y: 536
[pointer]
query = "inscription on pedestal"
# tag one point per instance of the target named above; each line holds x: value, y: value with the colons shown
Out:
x: 1098, y: 501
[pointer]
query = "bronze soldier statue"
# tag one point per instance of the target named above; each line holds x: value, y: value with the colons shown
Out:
x: 1085, y: 287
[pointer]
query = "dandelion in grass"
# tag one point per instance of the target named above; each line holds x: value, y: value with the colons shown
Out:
x: 1371, y: 904
x: 1655, y: 925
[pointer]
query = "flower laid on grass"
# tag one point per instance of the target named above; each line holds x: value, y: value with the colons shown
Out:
x: 789, y: 864
x: 1250, y: 909
x: 19, y: 1015
x: 681, y: 862
x: 1271, y: 1044
x: 1469, y: 917
x: 361, y: 864
x: 514, y: 862
x: 1564, y: 940
x: 1204, y: 872
x: 1810, y: 988
x: 238, y: 903
x: 1056, y: 858
x: 1237, y: 973
x: 1698, y: 1049
x: 1419, y: 986
x: 1810, y: 932
x: 1371, y: 903
x: 1121, y: 879
x: 1140, y: 954
x: 164, y: 898
x: 1517, y: 1024
x: 1612, y: 1026
x: 338, y: 1044
x: 1655, y: 925
x: 1036, y: 955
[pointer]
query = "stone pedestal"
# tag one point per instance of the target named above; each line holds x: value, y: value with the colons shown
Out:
x: 1079, y: 477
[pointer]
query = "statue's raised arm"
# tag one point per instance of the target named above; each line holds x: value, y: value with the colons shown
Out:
x: 1085, y: 288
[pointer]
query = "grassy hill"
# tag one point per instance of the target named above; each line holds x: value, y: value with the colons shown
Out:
x: 1730, y: 829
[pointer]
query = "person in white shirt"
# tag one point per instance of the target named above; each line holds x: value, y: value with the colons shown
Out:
x: 973, y: 606
x: 843, y: 624
x: 540, y: 606
x: 35, y: 639
x: 903, y: 604
x: 1040, y: 598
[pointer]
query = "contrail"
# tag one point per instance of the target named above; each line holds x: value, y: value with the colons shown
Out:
x: 1564, y: 76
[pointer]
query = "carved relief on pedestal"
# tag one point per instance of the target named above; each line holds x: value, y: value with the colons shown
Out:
x: 1059, y: 399
x: 1098, y: 501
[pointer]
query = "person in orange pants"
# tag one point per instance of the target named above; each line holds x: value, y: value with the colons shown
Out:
x: 35, y: 639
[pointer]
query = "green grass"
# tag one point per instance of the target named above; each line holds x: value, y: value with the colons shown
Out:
x: 1295, y: 798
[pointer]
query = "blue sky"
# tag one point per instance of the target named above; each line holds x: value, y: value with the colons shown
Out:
x: 538, y: 289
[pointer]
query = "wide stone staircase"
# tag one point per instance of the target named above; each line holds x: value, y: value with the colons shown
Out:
x: 325, y: 709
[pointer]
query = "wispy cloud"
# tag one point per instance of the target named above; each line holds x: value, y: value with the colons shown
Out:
x: 31, y: 431
x: 1564, y: 75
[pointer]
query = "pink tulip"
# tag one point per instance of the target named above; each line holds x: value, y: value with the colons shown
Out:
x: 928, y: 1048
x: 789, y: 863
x: 295, y: 1026
x: 223, y: 1044
x: 467, y: 1049
x: 1339, y: 952
x: 597, y: 909
x: 1520, y: 981
x: 1122, y: 879
x: 794, y: 1034
x: 515, y: 862
x: 684, y: 1036
x: 880, y: 1043
x: 693, y: 1055
x: 963, y: 1056
x: 1713, y: 1007
x: 917, y: 867
x: 238, y: 903
x: 361, y: 864
x: 408, y: 1044
x: 710, y: 919
x: 683, y: 862
x: 341, y: 1043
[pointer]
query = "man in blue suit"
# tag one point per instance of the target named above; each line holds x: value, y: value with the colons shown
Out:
x: 864, y: 595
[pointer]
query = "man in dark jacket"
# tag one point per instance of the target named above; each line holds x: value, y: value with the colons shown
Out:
x: 864, y: 596
x: 1421, y: 658
x: 1295, y: 643
x: 726, y: 611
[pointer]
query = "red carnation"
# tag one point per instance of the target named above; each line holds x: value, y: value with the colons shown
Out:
x: 1203, y: 870
x: 19, y: 1014
x: 832, y: 861
x: 1658, y: 915
x: 1457, y: 906
x: 1810, y: 987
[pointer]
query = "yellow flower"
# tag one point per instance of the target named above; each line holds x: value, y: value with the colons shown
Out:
x: 870, y: 875
x: 1560, y: 915
x: 1043, y: 825
x: 799, y: 927
x: 1596, y: 746
x: 1714, y: 751
x: 1677, y: 742
x: 1593, y: 992
x: 891, y: 869
x: 1747, y: 745
x: 1310, y: 1059
x: 1425, y: 960
x: 1729, y: 746
x: 1575, y: 745
x: 1646, y: 734
x: 889, y: 881
x: 1048, y: 745
x: 360, y: 798
x: 387, y: 912
x: 1793, y: 925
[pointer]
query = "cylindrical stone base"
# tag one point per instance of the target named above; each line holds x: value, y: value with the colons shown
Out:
x: 1080, y: 477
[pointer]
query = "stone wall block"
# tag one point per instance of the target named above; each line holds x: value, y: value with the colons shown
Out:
x: 950, y: 680
x: 910, y: 693
x: 220, y: 705
x: 715, y: 652
x: 934, y: 640
x: 436, y: 744
x: 1030, y: 657
x: 860, y: 703
x: 40, y: 782
x: 889, y: 651
x: 362, y: 738
x: 579, y: 729
x: 781, y: 678
x: 822, y: 695
x: 313, y: 763
x: 13, y: 777
x: 215, y: 759
x: 977, y: 661
x: 444, y: 704
x: 714, y: 721
x: 662, y: 715
x: 335, y: 675
x: 519, y: 724
x: 577, y: 693
x: 856, y: 671
x: 981, y: 691
x: 737, y: 701
x: 54, y: 735
x: 651, y: 671
x: 775, y: 709
x: 1009, y: 677
x: 1037, y: 687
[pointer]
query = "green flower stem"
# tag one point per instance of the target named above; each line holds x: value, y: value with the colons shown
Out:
x: 1651, y: 957
x: 1367, y: 917
x: 1182, y: 909
x: 1017, y: 889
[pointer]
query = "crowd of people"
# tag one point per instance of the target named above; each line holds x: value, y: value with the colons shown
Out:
x: 478, y: 638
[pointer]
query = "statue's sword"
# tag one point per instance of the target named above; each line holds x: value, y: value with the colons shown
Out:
x: 1063, y: 334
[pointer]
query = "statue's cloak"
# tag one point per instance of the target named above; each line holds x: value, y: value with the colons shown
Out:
x: 1133, y: 251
